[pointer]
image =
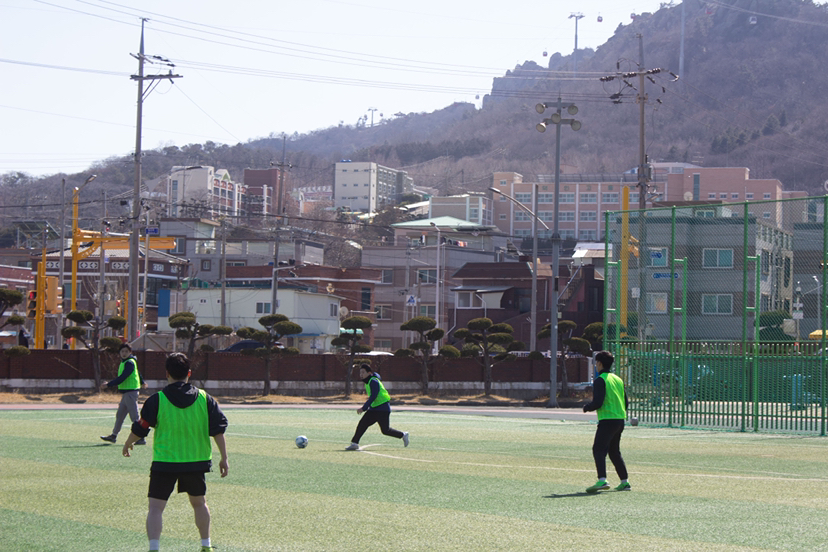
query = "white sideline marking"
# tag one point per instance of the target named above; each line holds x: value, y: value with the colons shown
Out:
x: 548, y: 468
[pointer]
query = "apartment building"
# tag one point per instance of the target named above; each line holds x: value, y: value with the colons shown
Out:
x: 206, y: 192
x: 263, y: 193
x: 368, y: 187
x: 583, y: 198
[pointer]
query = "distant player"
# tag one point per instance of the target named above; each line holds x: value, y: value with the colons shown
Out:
x: 184, y: 418
x: 128, y: 383
x: 377, y: 409
x: 609, y: 401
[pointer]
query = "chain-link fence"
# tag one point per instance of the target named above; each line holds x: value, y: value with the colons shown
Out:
x: 716, y: 313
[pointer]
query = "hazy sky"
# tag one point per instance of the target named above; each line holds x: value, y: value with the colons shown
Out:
x: 250, y: 68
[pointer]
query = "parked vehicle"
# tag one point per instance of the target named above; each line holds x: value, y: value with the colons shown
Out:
x: 239, y: 346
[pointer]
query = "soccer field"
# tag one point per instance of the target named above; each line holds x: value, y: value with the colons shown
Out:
x: 466, y: 482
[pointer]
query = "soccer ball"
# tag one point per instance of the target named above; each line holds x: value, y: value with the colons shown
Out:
x: 301, y: 441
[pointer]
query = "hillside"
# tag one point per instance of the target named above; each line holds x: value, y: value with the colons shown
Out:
x: 750, y: 96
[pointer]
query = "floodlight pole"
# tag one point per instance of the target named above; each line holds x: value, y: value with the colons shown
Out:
x: 575, y: 125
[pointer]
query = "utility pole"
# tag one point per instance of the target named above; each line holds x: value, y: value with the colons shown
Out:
x: 644, y: 168
x: 282, y: 165
x: 274, y: 300
x: 102, y: 261
x: 223, y: 271
x: 134, y: 243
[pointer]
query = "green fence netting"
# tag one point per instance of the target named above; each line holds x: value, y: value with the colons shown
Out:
x: 716, y: 313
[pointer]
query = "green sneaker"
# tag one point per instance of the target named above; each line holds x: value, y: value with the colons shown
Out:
x: 208, y: 548
x: 599, y: 486
x: 623, y: 487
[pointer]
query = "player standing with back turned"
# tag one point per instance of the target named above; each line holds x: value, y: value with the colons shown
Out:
x: 184, y: 418
x: 609, y: 401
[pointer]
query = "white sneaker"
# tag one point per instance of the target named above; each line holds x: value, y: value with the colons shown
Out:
x: 405, y: 438
x: 352, y: 446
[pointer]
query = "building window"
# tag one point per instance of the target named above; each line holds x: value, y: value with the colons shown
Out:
x: 521, y: 216
x: 609, y: 197
x: 474, y: 214
x: 333, y: 310
x: 766, y: 215
x: 523, y: 197
x: 206, y: 265
x: 723, y: 195
x: 262, y: 308
x: 766, y: 196
x: 547, y: 216
x: 427, y: 276
x: 428, y: 310
x: 502, y: 182
x: 588, y: 216
x: 589, y: 198
x: 502, y: 217
x: 717, y: 258
x: 546, y: 198
x: 567, y: 216
x: 705, y: 213
x: 365, y: 303
x: 657, y: 303
x: 180, y: 246
x: 588, y: 235
x: 711, y: 196
x: 749, y: 195
x: 567, y: 198
x: 633, y: 198
x: 717, y: 303
x: 464, y: 299
x: 387, y: 276
x: 382, y: 345
x: 383, y: 312
x: 658, y: 256
x: 523, y: 232
x: 568, y: 234
x: 734, y: 195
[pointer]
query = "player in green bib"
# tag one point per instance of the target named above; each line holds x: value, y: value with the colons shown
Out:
x: 128, y: 383
x: 377, y: 409
x: 609, y: 401
x: 184, y: 418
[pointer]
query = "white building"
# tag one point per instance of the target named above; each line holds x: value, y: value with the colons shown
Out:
x: 368, y: 187
x: 317, y: 313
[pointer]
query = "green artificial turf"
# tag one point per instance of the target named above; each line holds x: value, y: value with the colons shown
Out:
x: 467, y: 482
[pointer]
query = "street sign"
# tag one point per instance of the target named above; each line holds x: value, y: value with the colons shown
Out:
x: 655, y: 254
x: 410, y: 301
x: 153, y: 231
x: 659, y: 275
